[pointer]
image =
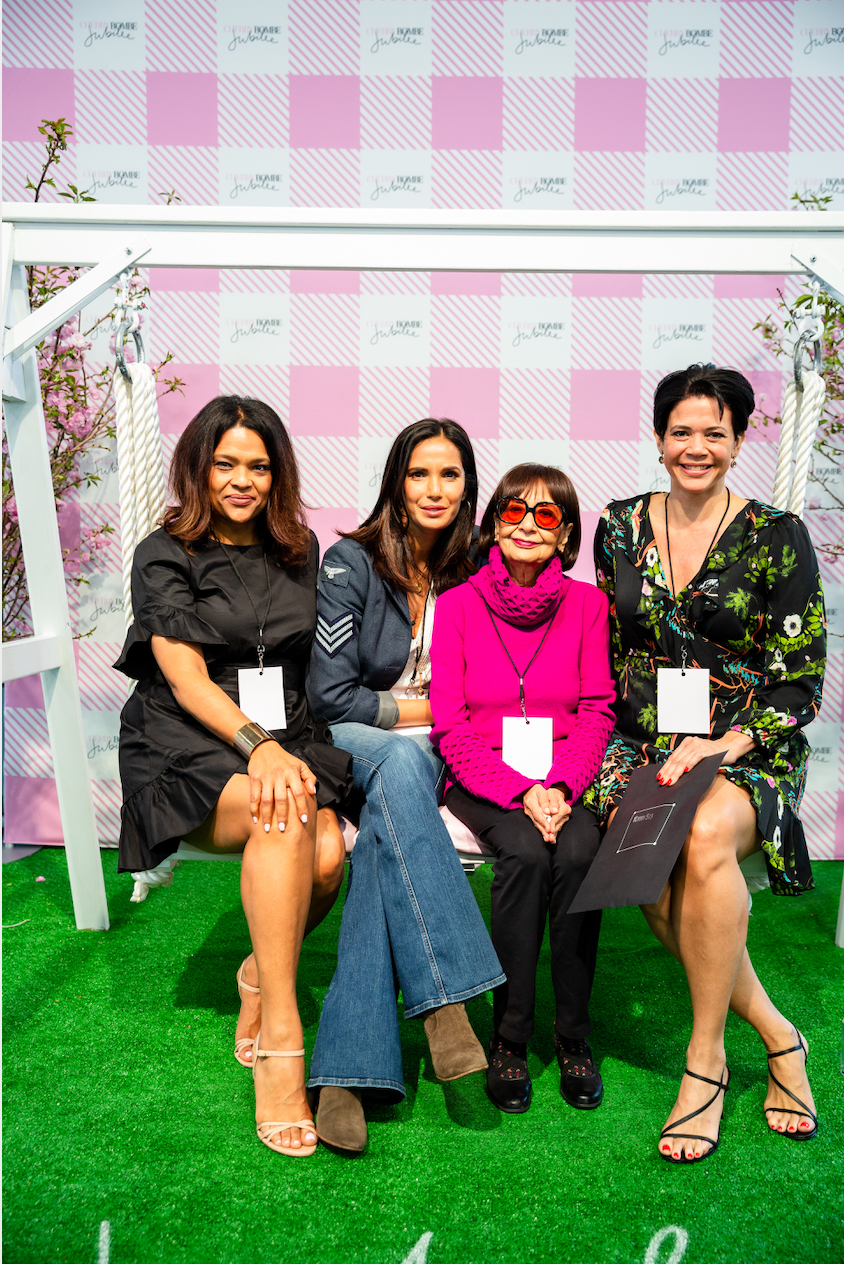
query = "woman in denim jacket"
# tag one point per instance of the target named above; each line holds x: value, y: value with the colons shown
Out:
x: 409, y: 915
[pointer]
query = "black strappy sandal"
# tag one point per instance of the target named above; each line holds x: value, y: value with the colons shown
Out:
x: 670, y: 1130
x: 797, y: 1135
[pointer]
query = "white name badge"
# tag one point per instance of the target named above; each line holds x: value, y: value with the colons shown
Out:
x: 261, y: 696
x: 682, y: 700
x: 528, y: 745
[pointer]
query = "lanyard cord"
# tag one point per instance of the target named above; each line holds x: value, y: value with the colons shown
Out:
x: 708, y: 551
x: 260, y: 623
x: 521, y: 674
x: 420, y: 648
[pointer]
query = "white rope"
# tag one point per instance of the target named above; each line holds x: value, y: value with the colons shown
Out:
x: 140, y: 466
x: 801, y: 412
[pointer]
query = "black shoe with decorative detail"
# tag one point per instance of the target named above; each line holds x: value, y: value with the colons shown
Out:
x: 580, y: 1081
x: 508, y: 1084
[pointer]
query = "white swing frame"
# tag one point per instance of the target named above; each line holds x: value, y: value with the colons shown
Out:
x: 108, y: 239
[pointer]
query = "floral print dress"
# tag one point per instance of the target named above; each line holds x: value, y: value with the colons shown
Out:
x: 754, y: 616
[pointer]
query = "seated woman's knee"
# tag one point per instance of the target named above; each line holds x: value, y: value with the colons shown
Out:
x: 330, y: 859
x: 710, y: 843
x: 405, y: 758
x: 520, y: 844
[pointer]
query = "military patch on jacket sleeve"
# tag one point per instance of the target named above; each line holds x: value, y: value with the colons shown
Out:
x: 336, y: 574
x: 333, y: 636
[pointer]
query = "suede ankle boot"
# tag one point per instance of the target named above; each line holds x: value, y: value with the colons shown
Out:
x: 340, y: 1119
x: 455, y: 1049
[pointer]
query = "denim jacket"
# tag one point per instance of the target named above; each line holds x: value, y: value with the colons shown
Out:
x: 362, y: 640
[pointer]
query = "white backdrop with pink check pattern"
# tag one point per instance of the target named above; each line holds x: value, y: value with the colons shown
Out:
x: 693, y: 104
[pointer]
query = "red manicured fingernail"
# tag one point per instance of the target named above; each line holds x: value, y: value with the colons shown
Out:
x: 659, y: 779
x: 685, y: 770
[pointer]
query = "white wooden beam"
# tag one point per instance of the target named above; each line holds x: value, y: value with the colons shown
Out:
x: 30, y: 655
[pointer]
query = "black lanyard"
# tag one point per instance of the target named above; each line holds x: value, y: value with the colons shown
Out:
x: 260, y: 623
x: 708, y: 551
x: 521, y: 674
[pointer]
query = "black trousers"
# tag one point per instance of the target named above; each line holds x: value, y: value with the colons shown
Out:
x: 534, y: 880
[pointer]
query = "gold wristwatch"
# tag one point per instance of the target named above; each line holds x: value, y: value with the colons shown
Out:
x: 250, y: 736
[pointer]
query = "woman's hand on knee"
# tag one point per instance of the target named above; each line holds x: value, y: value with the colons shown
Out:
x: 547, y: 810
x: 278, y: 784
x: 692, y: 750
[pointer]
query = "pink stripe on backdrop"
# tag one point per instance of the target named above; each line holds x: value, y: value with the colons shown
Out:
x: 469, y: 396
x: 606, y: 285
x: 753, y: 115
x: 605, y: 404
x: 324, y: 399
x: 584, y: 567
x: 202, y: 382
x: 488, y: 283
x: 325, y: 523
x: 32, y: 811
x: 609, y: 114
x: 32, y: 95
x: 467, y: 112
x: 187, y: 280
x: 754, y: 286
x: 305, y: 281
x: 325, y: 111
x: 181, y: 108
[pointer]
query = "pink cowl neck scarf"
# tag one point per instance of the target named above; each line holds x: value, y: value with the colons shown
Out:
x: 523, y: 607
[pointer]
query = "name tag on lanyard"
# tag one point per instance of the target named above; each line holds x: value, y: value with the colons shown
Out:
x: 682, y: 700
x: 528, y: 744
x: 261, y: 696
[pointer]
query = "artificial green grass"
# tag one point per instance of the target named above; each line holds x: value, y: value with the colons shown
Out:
x: 123, y: 1103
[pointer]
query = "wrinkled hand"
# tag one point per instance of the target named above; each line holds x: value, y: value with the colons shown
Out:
x: 277, y: 782
x: 547, y: 810
x: 693, y: 749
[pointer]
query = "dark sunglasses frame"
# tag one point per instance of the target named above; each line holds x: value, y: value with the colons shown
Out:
x: 530, y: 509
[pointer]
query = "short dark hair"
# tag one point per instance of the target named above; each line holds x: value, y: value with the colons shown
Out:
x: 515, y: 483
x: 729, y: 388
x: 384, y: 533
x: 283, y: 524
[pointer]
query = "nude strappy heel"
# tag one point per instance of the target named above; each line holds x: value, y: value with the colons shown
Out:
x: 245, y: 1042
x: 266, y: 1130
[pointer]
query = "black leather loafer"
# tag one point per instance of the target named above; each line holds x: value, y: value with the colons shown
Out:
x: 580, y: 1082
x: 508, y: 1085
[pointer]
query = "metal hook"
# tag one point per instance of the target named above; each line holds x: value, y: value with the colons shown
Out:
x: 129, y: 324
x: 802, y: 343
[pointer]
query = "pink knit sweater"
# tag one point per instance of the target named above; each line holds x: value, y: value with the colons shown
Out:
x: 473, y: 684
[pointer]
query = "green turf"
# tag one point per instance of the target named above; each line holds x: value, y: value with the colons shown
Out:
x: 123, y: 1103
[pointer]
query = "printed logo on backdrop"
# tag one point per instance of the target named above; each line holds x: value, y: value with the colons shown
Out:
x: 683, y: 40
x: 395, y: 38
x: 254, y: 177
x: 382, y: 186
x: 395, y: 330
x: 395, y: 177
x: 537, y: 181
x: 680, y: 181
x: 818, y: 175
x: 818, y: 38
x: 675, y: 332
x: 109, y: 36
x: 254, y: 329
x: 535, y: 333
x: 252, y: 36
x: 112, y: 173
x: 539, y: 39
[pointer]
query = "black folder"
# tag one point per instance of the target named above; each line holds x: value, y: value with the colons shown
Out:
x: 641, y: 846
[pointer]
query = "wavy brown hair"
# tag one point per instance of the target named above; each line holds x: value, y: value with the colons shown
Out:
x: 384, y: 533
x: 283, y: 525
x: 519, y: 480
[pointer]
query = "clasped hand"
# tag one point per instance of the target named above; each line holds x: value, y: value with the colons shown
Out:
x: 547, y: 810
x: 693, y: 749
x: 278, y: 782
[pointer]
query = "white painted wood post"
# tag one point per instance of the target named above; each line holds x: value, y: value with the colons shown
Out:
x: 30, y: 464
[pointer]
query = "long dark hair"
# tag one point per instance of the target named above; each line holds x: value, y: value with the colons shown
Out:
x: 384, y: 533
x: 283, y: 526
x: 729, y: 388
x: 515, y: 483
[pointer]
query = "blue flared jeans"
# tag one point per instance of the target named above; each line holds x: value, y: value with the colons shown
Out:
x: 408, y: 908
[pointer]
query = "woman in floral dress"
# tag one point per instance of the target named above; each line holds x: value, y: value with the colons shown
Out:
x: 704, y: 578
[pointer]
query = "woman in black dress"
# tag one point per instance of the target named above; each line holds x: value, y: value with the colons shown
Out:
x: 217, y: 745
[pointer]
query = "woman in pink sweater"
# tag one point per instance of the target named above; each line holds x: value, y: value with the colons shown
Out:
x: 521, y: 697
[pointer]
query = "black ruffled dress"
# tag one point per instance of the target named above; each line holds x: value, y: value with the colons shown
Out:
x: 172, y: 768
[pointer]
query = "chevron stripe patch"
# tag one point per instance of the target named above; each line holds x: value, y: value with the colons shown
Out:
x: 333, y: 636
